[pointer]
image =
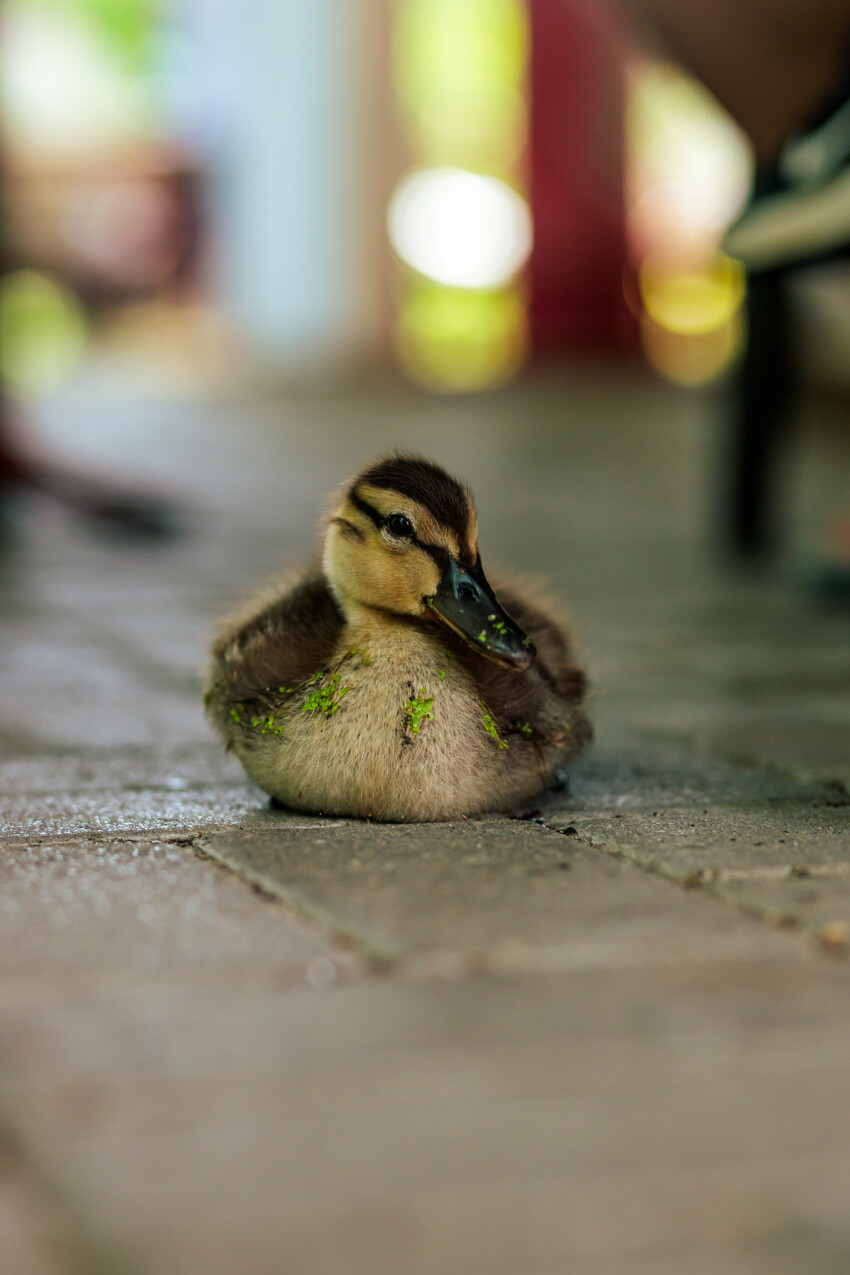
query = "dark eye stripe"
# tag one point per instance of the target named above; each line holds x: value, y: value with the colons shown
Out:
x: 365, y: 508
x: 426, y: 483
x: 343, y: 522
x: 436, y: 552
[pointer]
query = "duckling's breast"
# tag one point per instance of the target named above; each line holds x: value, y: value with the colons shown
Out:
x: 394, y: 729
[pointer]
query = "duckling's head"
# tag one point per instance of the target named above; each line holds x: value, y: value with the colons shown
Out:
x: 404, y: 541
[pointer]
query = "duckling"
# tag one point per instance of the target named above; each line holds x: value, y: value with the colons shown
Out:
x: 394, y: 683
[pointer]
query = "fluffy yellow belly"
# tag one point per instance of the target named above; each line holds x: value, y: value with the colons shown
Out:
x: 392, y: 738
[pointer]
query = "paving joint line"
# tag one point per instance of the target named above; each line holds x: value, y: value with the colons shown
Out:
x: 375, y: 957
x: 107, y: 838
x: 831, y: 938
x: 837, y: 788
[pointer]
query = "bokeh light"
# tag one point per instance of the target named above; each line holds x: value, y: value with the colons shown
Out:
x: 693, y: 358
x: 457, y: 340
x: 458, y: 222
x: 460, y: 228
x: 690, y: 301
x: 75, y: 74
x: 461, y: 68
x: 689, y: 166
x: 43, y: 332
x: 689, y: 172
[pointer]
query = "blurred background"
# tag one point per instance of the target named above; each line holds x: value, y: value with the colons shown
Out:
x: 203, y: 202
x: 449, y: 188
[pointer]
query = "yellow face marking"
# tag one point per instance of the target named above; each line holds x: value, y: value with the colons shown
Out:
x: 371, y: 568
x: 427, y: 529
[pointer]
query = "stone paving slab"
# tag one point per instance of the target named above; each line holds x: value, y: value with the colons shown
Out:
x: 767, y: 843
x: 653, y: 775
x: 816, y: 748
x: 819, y: 904
x: 493, y: 894
x: 603, y: 1120
x: 751, y: 841
x: 115, y: 911
x: 130, y: 814
x: 88, y: 695
x: 89, y: 770
x: 33, y: 1238
x: 496, y: 893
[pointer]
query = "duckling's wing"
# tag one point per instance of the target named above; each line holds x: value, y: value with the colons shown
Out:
x: 545, y: 702
x: 282, y: 638
x: 555, y: 656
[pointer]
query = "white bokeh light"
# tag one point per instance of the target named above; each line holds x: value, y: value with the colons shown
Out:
x: 689, y: 168
x: 60, y: 91
x: 460, y: 228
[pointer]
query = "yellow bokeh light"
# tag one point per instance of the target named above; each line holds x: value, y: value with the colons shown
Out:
x: 688, y: 173
x: 689, y: 300
x: 693, y: 359
x: 458, y: 340
x: 43, y: 331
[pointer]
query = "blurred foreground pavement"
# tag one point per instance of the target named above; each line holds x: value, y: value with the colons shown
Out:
x: 232, y: 1040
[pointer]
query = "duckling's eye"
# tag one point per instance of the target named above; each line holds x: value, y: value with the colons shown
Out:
x: 398, y: 525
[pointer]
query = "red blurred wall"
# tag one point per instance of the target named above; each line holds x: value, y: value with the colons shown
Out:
x: 580, y: 265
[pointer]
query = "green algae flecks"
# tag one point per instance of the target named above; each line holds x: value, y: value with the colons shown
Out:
x: 266, y: 725
x: 325, y: 699
x: 525, y: 727
x: 364, y: 658
x: 490, y: 727
x: 235, y: 715
x: 482, y: 636
x: 441, y: 674
x: 419, y: 709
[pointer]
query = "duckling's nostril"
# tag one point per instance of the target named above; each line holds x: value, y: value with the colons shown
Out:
x: 466, y: 592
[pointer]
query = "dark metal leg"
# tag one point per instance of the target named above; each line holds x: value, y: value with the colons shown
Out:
x: 763, y: 400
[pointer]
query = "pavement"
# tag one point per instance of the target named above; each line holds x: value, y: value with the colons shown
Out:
x: 612, y: 1037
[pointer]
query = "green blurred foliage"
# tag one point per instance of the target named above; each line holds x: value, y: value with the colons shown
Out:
x: 458, y: 339
x: 126, y: 26
x: 461, y: 67
x: 43, y: 332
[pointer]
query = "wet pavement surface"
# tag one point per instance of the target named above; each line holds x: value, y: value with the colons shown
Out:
x: 612, y: 1037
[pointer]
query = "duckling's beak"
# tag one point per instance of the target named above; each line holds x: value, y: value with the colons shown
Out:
x: 466, y: 603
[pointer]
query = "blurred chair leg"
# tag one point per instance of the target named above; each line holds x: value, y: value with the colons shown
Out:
x: 763, y: 399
